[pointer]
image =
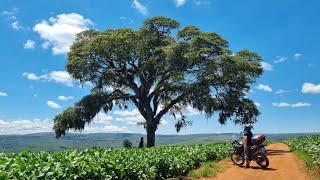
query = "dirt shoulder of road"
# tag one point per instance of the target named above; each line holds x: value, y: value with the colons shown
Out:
x: 284, y: 165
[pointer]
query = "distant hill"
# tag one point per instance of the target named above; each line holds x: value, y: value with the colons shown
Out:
x: 48, y: 142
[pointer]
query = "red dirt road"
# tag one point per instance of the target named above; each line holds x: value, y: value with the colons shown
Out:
x: 284, y: 165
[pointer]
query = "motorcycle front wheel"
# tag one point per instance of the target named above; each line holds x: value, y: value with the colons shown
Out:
x: 237, y: 159
x: 262, y: 160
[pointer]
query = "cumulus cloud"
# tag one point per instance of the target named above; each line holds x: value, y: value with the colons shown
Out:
x: 3, y: 94
x: 29, y: 44
x: 297, y: 56
x: 179, y: 2
x: 53, y: 105
x: 280, y: 59
x: 310, y: 88
x: 10, y: 12
x: 65, y: 98
x: 11, y: 16
x: 33, y: 77
x: 102, y: 124
x: 280, y: 91
x: 61, y: 77
x: 59, y: 32
x: 281, y: 104
x: 91, y: 128
x: 16, y: 25
x: 266, y: 66
x: 102, y: 118
x: 131, y: 117
x: 264, y: 87
x: 190, y: 111
x: 257, y: 104
x: 25, y: 126
x: 301, y: 104
x: 139, y: 7
x: 296, y: 105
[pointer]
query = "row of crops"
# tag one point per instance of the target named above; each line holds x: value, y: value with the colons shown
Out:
x: 309, y: 145
x: 100, y: 163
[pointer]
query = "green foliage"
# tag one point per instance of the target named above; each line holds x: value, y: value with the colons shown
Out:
x: 127, y: 143
x: 99, y: 163
x: 160, y: 66
x: 309, y: 145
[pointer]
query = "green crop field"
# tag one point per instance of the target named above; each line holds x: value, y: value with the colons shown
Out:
x: 309, y: 145
x: 100, y: 163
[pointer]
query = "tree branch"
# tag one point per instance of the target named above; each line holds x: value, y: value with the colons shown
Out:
x: 169, y: 106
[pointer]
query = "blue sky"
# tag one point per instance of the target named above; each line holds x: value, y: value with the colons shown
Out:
x: 36, y: 35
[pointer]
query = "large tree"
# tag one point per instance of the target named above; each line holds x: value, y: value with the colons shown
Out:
x: 161, y: 69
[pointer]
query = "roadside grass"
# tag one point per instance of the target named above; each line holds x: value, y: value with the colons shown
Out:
x: 312, y: 170
x: 209, y: 169
x: 268, y: 142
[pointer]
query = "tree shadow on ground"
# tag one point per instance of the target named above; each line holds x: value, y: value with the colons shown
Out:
x: 265, y: 169
x: 277, y: 152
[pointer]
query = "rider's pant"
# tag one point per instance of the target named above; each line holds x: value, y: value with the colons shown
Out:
x: 247, y: 152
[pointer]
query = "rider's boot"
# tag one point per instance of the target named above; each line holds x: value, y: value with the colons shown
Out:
x: 247, y: 164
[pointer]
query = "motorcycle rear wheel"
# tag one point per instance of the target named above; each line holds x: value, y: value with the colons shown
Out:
x: 237, y: 159
x: 262, y: 161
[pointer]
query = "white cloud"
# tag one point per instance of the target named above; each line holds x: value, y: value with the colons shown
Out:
x: 202, y: 2
x: 102, y: 124
x: 11, y: 16
x: 29, y: 44
x: 281, y: 104
x: 280, y: 59
x: 257, y: 104
x: 301, y: 104
x: 61, y: 77
x: 139, y: 7
x: 280, y: 91
x: 65, y: 98
x: 16, y: 25
x: 33, y: 77
x: 264, y: 87
x: 3, y: 94
x: 25, y: 126
x: 310, y: 88
x: 45, y: 45
x: 163, y: 122
x: 130, y: 117
x: 102, y: 118
x: 91, y: 128
x: 266, y: 66
x: 297, y: 56
x: 9, y: 127
x: 179, y: 2
x: 10, y: 12
x: 296, y: 105
x: 60, y: 32
x: 190, y: 111
x: 53, y: 105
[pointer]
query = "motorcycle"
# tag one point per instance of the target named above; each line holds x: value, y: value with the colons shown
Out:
x: 258, y: 152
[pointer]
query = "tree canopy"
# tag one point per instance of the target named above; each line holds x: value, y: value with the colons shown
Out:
x: 161, y: 69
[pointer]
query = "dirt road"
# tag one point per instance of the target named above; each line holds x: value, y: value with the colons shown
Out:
x: 284, y: 165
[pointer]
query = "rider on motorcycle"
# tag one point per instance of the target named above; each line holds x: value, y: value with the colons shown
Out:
x: 247, y: 142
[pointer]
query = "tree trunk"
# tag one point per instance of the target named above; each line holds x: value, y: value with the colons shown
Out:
x: 151, y: 137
